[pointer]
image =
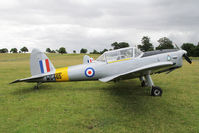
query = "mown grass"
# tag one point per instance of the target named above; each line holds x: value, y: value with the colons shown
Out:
x: 93, y: 106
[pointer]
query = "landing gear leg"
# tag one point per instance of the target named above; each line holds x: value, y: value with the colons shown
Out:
x: 143, y: 81
x: 37, y: 86
x: 155, y: 90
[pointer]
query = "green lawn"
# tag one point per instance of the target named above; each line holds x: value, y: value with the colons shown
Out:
x: 94, y: 106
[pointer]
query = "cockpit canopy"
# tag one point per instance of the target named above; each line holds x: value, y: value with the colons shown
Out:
x: 120, y: 54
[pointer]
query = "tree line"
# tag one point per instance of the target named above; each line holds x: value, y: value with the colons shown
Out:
x: 166, y: 43
x: 146, y: 45
x: 62, y: 50
x: 14, y: 50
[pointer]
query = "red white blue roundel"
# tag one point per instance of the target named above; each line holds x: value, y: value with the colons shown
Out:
x: 89, y: 72
x: 168, y: 57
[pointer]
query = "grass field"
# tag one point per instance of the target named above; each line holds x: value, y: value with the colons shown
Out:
x: 94, y: 106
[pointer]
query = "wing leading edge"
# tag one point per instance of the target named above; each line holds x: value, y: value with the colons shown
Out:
x: 140, y: 70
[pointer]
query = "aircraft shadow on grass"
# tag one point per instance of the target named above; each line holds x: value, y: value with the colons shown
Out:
x: 127, y: 94
x: 118, y: 88
x: 130, y: 95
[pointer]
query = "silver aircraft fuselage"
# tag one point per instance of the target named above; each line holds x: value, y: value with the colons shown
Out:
x: 105, y: 69
x: 126, y: 63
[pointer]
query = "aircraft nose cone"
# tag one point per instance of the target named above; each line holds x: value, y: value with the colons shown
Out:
x: 184, y: 51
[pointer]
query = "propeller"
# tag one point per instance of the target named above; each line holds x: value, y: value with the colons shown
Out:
x: 187, y: 58
x: 184, y: 55
x: 177, y: 47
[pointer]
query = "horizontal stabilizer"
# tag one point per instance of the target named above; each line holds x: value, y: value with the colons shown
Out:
x: 36, y: 78
x: 31, y: 79
x: 16, y: 81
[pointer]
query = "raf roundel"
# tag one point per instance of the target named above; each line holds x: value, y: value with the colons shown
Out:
x: 168, y: 57
x: 89, y: 72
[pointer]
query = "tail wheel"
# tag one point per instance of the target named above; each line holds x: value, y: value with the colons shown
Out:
x: 156, y: 91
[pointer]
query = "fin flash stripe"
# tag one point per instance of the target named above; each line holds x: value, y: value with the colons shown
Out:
x: 44, y: 66
x: 47, y: 65
x: 41, y: 66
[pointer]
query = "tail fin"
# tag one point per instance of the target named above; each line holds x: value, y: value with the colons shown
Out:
x: 87, y: 59
x: 39, y: 63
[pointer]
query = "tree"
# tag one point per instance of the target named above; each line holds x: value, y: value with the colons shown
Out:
x: 24, y: 49
x: 196, y: 51
x: 62, y: 50
x: 165, y: 43
x: 94, y: 52
x: 13, y: 50
x: 117, y: 45
x: 101, y: 52
x: 74, y: 51
x: 189, y: 47
x: 53, y: 51
x: 4, y: 50
x: 48, y: 50
x: 146, y: 45
x: 83, y: 50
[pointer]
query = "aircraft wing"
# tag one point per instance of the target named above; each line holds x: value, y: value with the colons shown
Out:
x: 138, y: 72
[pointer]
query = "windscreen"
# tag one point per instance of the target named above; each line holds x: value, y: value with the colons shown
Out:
x: 118, y: 55
x: 101, y: 58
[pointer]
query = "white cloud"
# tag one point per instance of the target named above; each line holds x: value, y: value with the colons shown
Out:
x: 95, y: 24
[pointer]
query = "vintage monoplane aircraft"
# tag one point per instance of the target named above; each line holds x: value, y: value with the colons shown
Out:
x: 125, y: 63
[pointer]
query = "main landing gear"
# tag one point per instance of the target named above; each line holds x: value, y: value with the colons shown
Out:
x: 156, y: 91
x: 147, y: 81
x: 37, y: 86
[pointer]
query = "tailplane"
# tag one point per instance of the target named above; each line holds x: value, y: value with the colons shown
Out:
x: 40, y: 66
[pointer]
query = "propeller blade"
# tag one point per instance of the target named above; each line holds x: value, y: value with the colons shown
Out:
x: 187, y: 58
x: 177, y: 46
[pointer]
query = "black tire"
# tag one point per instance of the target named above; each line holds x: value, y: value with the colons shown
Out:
x: 156, y: 91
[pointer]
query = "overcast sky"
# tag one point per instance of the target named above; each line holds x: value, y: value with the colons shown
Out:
x: 95, y: 24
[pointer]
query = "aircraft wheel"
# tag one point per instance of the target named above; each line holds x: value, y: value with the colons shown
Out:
x: 156, y: 91
x: 143, y: 83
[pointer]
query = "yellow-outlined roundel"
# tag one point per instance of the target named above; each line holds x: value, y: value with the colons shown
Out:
x: 89, y: 72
